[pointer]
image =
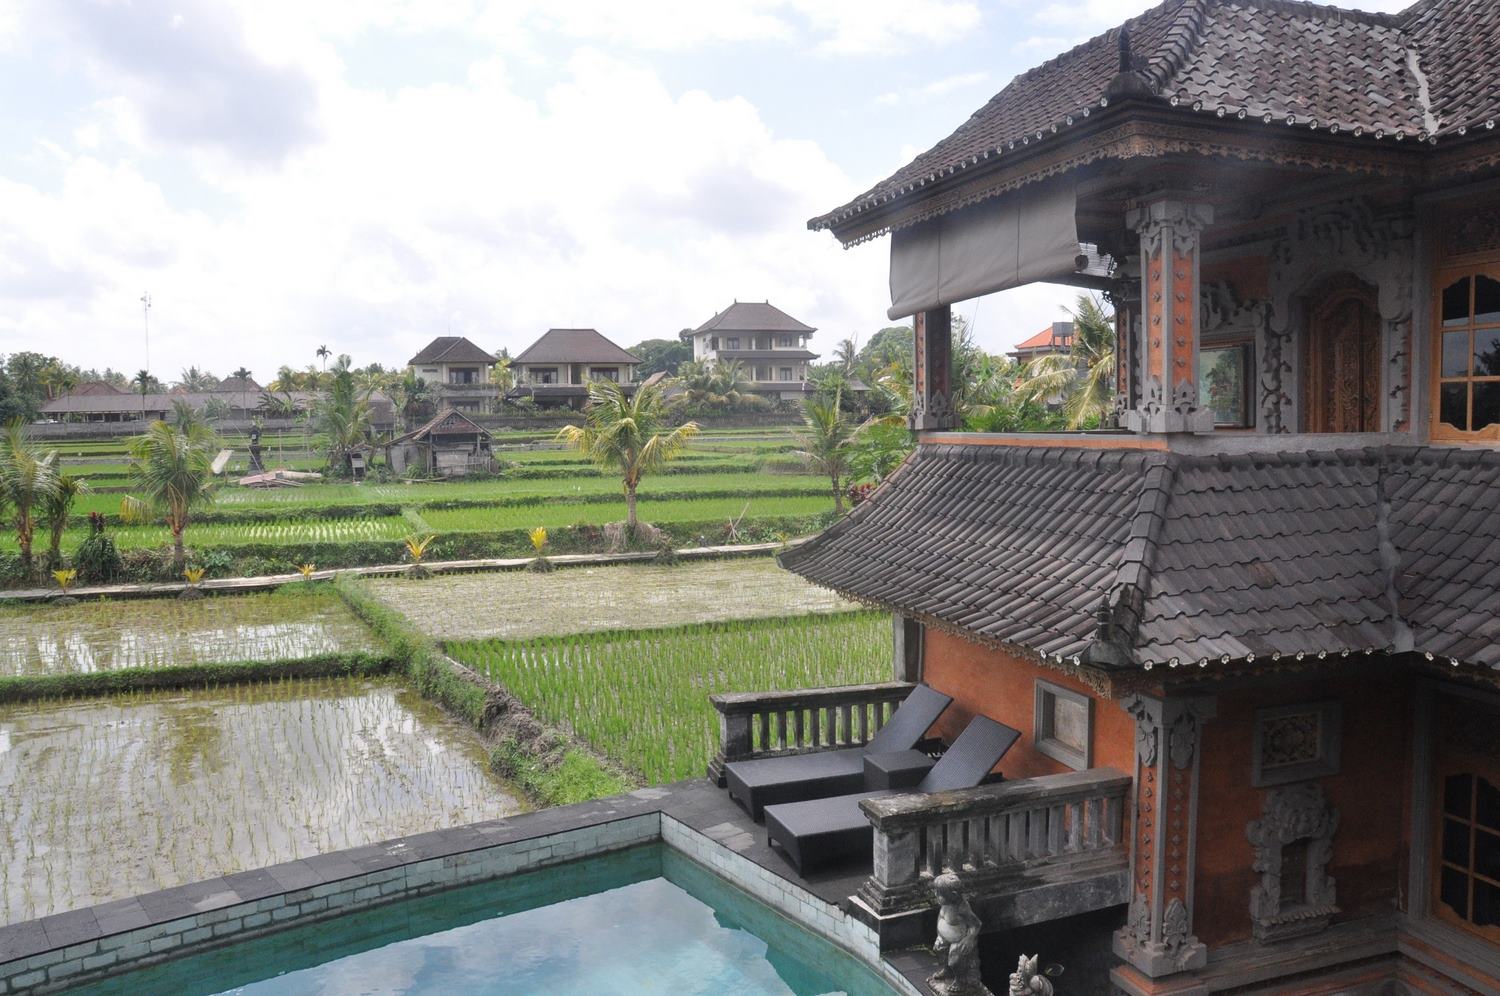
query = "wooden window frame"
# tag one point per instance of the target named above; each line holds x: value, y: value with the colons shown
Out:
x: 1446, y: 763
x: 1441, y: 280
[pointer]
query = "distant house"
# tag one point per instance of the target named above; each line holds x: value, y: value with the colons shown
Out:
x: 556, y: 369
x: 1055, y: 338
x: 98, y: 402
x: 449, y: 445
x: 768, y: 343
x: 459, y: 373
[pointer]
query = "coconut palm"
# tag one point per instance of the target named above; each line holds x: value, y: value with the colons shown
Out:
x: 343, y: 416
x: 627, y: 434
x: 56, y: 508
x: 845, y: 354
x: 413, y: 397
x: 826, y: 440
x: 1083, y: 377
x: 171, y: 473
x: 28, y: 479
x: 323, y: 354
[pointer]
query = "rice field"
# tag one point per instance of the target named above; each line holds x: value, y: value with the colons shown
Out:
x: 158, y: 633
x: 519, y: 605
x: 642, y: 697
x: 497, y: 518
x: 105, y: 799
x: 278, y: 532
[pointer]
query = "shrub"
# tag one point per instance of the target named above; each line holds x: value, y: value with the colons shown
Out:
x: 96, y: 560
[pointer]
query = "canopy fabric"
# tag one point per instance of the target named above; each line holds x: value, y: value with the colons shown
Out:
x: 1026, y: 236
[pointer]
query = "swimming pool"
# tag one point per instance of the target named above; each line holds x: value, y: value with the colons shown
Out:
x: 643, y: 920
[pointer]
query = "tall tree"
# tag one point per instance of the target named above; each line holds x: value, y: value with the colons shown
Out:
x: 825, y: 441
x: 323, y: 354
x: 28, y: 479
x: 660, y: 356
x: 343, y: 416
x: 628, y: 434
x: 1083, y: 377
x: 846, y: 355
x: 171, y: 473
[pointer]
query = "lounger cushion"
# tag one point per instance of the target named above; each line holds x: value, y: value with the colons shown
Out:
x: 819, y: 831
x: 768, y: 781
x: 758, y: 784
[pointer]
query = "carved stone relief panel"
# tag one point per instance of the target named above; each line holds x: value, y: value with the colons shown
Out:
x: 1296, y: 742
x: 1293, y: 846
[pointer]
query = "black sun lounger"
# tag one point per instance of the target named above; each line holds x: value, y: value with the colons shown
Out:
x: 764, y: 782
x: 822, y: 831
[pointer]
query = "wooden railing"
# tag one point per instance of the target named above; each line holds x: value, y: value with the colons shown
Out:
x: 1057, y: 839
x: 772, y: 724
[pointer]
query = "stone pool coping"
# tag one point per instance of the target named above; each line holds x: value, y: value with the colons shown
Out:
x: 55, y: 952
x: 269, y: 582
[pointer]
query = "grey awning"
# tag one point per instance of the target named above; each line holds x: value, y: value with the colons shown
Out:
x: 1024, y: 237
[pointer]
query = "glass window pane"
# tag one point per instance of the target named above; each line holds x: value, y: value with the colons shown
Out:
x: 1456, y: 842
x: 1487, y: 854
x: 1455, y: 354
x: 1453, y: 405
x: 1486, y: 352
x: 1456, y: 303
x: 1221, y: 383
x: 1457, y: 793
x: 1487, y: 811
x: 1486, y: 300
x: 1454, y: 891
x: 1486, y: 905
x: 1486, y: 404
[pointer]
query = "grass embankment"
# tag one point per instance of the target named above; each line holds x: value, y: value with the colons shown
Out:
x: 641, y: 697
x: 548, y: 765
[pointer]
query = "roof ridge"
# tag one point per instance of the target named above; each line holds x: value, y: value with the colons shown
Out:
x: 1120, y: 611
x: 1181, y: 38
x: 1322, y: 11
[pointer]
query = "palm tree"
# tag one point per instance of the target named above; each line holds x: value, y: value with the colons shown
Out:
x: 27, y: 481
x: 171, y: 470
x: 1083, y: 377
x: 412, y: 395
x: 825, y: 441
x: 343, y: 416
x: 627, y: 434
x: 845, y: 354
x: 56, y: 508
x: 323, y: 354
x: 142, y: 381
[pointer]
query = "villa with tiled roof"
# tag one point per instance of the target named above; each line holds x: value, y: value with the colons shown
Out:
x: 768, y: 344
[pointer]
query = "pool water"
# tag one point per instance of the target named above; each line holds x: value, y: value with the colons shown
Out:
x: 645, y: 920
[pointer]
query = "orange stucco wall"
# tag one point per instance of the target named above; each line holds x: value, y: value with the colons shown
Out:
x: 1003, y: 687
x: 1369, y: 793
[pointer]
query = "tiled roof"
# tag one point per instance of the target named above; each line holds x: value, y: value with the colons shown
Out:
x: 753, y: 316
x: 450, y: 349
x: 1428, y: 72
x: 573, y: 346
x: 1194, y: 557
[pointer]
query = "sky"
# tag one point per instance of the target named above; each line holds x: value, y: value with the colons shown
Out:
x: 368, y: 174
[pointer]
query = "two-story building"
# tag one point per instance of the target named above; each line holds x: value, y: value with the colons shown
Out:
x: 769, y: 345
x: 557, y: 368
x: 459, y: 374
x: 1271, y: 598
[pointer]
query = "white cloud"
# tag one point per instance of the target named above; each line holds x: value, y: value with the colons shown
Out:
x: 936, y: 88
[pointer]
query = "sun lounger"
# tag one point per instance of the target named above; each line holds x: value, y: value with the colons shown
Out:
x: 822, y: 831
x: 766, y: 781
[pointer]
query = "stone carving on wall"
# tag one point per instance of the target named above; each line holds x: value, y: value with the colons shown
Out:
x: 1346, y: 236
x: 1471, y: 231
x: 1295, y: 743
x: 1294, y: 896
x: 1029, y: 979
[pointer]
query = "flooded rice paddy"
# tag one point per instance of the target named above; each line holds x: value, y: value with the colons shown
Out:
x: 108, y: 798
x: 154, y: 633
x: 519, y: 605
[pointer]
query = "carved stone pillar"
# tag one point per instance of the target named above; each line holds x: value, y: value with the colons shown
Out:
x: 1158, y: 938
x: 1125, y: 297
x: 1170, y: 233
x: 932, y: 374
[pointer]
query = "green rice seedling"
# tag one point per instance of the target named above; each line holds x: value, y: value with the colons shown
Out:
x: 641, y: 697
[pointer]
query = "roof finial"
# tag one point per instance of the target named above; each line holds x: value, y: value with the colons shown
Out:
x: 1127, y: 82
x: 1125, y: 48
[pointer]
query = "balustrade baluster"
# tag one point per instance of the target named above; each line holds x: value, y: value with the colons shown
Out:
x: 1036, y: 833
x: 1075, y: 826
x: 933, y: 838
x: 1016, y: 834
x: 1113, y: 820
x: 763, y: 728
x: 1094, y: 807
x: 994, y: 840
x: 1055, y: 830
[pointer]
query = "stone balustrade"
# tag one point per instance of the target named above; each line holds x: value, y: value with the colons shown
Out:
x: 772, y: 724
x: 1028, y: 850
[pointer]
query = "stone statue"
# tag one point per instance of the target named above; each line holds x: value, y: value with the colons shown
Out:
x: 957, y: 944
x: 1029, y: 980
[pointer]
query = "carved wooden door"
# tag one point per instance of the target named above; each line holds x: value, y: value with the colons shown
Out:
x: 1341, y: 382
